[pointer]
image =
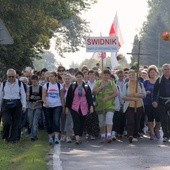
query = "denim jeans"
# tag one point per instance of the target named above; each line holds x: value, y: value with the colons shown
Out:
x: 33, y: 117
x: 53, y: 115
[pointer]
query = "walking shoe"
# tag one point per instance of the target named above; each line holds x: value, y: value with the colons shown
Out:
x: 119, y: 136
x: 87, y: 136
x: 50, y: 141
x: 78, y: 142
x: 152, y: 137
x: 109, y: 139
x: 63, y: 139
x: 134, y: 139
x: 157, y: 134
x: 130, y: 139
x: 125, y: 133
x: 113, y: 138
x: 140, y: 135
x: 113, y: 135
x: 102, y: 139
x: 92, y: 138
x: 13, y: 141
x: 34, y: 139
x: 68, y: 139
x: 56, y: 140
x: 165, y: 139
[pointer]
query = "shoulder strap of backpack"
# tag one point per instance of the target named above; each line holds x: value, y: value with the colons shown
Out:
x: 19, y: 83
x: 30, y: 90
x: 86, y: 87
x: 40, y: 91
x: 73, y: 85
x: 127, y: 85
x: 3, y: 85
x: 47, y: 86
x: 118, y: 88
x: 58, y: 85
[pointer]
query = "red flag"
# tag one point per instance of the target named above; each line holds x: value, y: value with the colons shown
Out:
x: 115, y: 30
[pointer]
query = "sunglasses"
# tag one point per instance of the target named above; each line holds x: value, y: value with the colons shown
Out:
x: 10, y: 76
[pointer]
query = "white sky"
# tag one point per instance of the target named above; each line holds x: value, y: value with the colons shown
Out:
x: 131, y: 15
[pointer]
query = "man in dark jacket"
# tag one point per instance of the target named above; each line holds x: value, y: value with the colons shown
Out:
x: 161, y: 99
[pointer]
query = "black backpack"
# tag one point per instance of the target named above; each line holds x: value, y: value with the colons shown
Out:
x: 31, y: 93
x: 19, y: 84
x: 57, y: 84
x: 48, y: 87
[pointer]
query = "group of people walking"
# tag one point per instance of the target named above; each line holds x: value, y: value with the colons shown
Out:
x: 75, y: 102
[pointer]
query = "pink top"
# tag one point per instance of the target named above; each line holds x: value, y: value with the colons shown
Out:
x: 80, y: 102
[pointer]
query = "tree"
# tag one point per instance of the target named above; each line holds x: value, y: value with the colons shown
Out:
x: 151, y: 42
x: 47, y: 61
x: 33, y: 23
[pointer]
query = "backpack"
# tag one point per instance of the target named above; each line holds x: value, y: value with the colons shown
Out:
x: 74, y: 85
x: 19, y: 84
x: 57, y: 84
x: 30, y: 93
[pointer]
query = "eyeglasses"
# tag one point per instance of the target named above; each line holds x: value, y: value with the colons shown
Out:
x: 10, y: 77
x: 61, y: 70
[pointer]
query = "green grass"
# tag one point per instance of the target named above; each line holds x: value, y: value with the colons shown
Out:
x: 25, y: 155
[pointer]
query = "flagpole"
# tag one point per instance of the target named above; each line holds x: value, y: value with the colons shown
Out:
x: 102, y: 65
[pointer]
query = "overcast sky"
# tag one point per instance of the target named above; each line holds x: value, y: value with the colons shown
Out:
x: 131, y: 15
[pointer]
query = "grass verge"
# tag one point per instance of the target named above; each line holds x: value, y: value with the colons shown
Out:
x: 25, y: 155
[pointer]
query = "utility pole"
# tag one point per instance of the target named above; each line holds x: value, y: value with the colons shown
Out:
x: 159, y: 46
x: 138, y: 54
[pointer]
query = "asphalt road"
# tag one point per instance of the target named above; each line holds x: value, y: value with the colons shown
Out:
x: 118, y: 155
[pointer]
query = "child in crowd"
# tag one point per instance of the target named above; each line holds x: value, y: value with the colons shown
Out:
x: 35, y: 106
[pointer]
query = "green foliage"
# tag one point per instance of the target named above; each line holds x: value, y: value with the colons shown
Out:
x: 33, y: 23
x: 47, y: 61
x: 90, y: 63
x: 74, y: 65
x: 151, y: 41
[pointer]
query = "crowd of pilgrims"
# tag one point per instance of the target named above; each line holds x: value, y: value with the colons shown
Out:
x: 93, y: 104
